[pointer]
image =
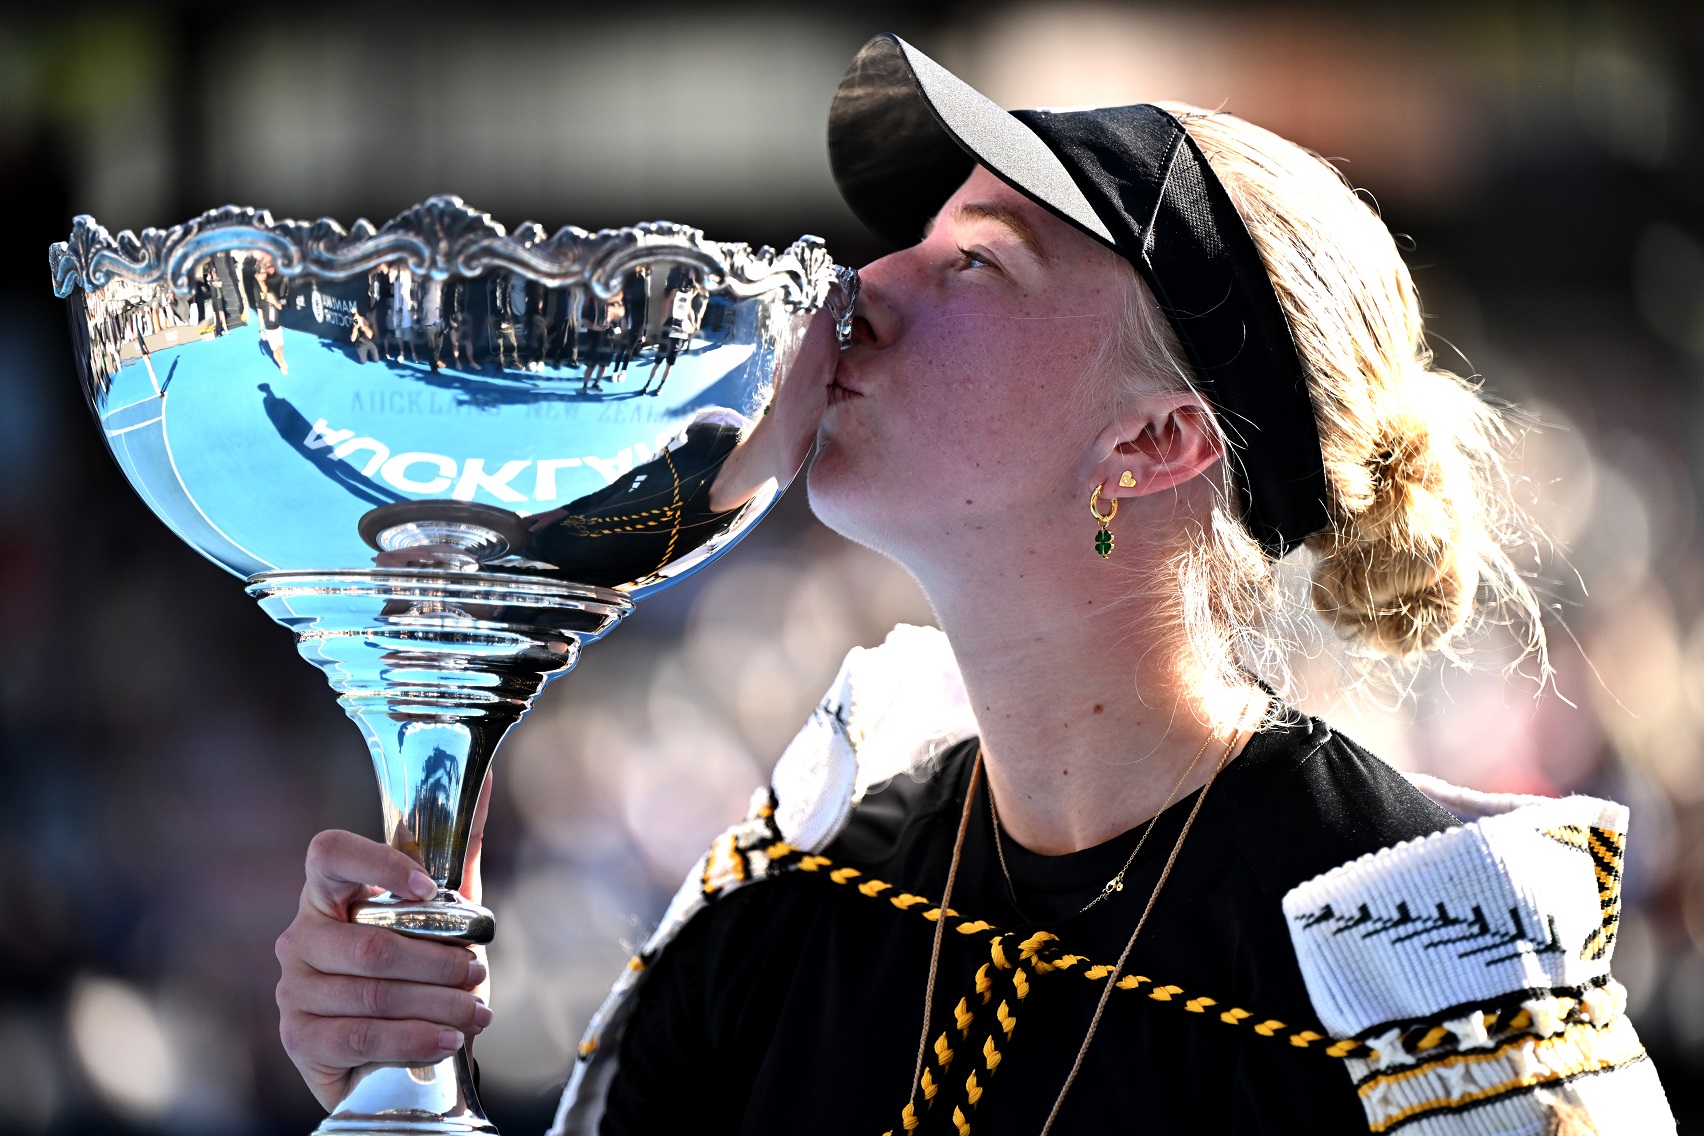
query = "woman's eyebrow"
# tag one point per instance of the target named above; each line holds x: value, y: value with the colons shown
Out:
x: 1006, y: 217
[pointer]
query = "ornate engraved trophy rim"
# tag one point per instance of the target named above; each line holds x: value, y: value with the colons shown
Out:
x: 441, y: 237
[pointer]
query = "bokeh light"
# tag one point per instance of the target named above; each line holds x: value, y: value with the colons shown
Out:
x: 122, y: 1046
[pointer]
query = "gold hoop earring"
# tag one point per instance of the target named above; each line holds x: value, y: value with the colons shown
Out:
x: 1103, y: 535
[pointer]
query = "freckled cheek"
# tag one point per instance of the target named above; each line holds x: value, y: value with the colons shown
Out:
x: 1023, y: 372
x: 996, y: 383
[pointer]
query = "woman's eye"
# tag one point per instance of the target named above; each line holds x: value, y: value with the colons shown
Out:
x: 972, y: 258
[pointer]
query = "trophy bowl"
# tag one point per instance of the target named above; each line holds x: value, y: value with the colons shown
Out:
x: 446, y: 456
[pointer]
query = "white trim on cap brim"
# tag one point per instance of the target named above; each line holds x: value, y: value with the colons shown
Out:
x: 1005, y: 145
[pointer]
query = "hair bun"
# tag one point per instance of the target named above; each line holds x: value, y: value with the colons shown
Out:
x: 1396, y: 569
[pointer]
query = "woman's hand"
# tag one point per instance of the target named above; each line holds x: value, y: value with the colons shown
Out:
x: 350, y: 993
x: 777, y: 445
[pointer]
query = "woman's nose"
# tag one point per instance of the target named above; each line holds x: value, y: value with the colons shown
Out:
x: 863, y: 335
x: 875, y: 317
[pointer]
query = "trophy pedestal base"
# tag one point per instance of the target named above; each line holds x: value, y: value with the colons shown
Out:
x: 434, y: 666
x: 411, y: 1100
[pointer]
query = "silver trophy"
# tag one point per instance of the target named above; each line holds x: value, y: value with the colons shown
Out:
x: 446, y: 457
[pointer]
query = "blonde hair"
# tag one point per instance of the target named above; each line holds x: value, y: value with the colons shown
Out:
x: 1417, y: 551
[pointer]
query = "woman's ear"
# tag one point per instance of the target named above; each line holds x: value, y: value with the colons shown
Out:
x: 1161, y: 442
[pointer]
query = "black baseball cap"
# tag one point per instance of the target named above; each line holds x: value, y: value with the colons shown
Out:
x: 903, y: 135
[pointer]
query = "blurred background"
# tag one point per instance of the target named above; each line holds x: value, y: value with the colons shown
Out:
x: 165, y: 756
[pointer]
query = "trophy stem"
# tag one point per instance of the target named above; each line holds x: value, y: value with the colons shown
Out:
x: 434, y: 666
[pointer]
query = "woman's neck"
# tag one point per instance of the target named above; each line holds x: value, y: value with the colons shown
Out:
x: 1089, y: 713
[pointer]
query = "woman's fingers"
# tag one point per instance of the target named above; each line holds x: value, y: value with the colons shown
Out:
x: 377, y: 952
x: 344, y: 996
x: 351, y: 994
x: 341, y: 865
x: 344, y: 1043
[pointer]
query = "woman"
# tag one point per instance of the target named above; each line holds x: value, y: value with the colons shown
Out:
x: 1135, y: 889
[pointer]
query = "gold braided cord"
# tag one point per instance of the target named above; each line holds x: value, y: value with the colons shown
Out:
x: 580, y: 521
x: 940, y: 928
x: 1004, y: 1022
x: 1112, y: 978
x: 670, y: 514
x: 674, y: 513
x: 782, y: 856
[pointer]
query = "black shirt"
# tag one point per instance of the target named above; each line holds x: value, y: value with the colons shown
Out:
x: 794, y: 1004
x: 644, y: 520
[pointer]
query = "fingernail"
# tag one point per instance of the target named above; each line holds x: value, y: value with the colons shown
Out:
x: 450, y: 1040
x: 420, y: 886
x: 475, y: 972
x: 481, y: 1015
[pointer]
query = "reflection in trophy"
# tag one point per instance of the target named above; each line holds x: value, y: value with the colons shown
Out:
x: 446, y: 457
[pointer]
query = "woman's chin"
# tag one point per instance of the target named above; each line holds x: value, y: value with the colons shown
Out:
x: 841, y: 497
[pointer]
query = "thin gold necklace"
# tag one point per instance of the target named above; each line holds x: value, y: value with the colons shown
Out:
x: 1118, y: 968
x: 1115, y: 884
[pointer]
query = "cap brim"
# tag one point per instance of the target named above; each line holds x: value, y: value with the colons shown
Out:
x: 904, y: 133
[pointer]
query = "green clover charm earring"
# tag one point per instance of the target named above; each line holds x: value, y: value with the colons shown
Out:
x: 1103, y: 535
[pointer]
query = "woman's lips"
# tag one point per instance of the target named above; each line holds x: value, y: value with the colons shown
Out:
x: 838, y: 393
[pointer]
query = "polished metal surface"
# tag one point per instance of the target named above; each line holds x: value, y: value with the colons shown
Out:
x: 266, y: 384
x: 434, y: 666
x: 446, y: 457
x: 391, y: 1099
